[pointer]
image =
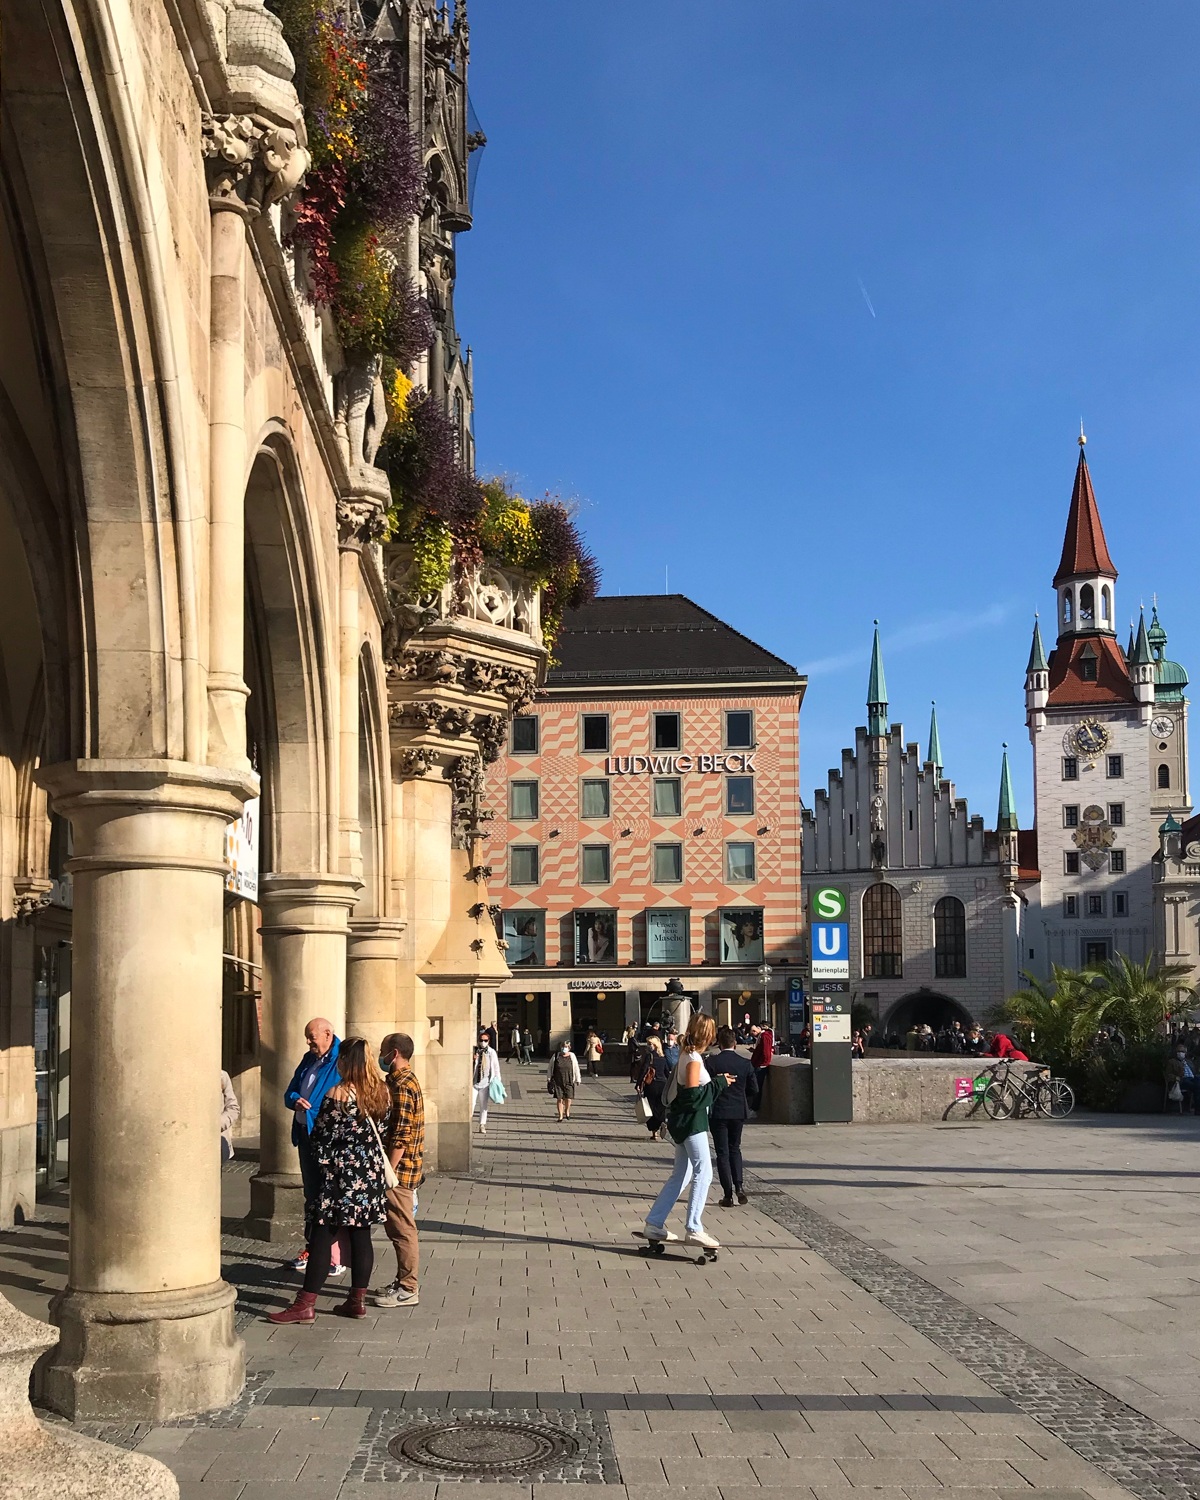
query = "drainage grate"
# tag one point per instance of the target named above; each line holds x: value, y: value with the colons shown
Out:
x: 484, y: 1447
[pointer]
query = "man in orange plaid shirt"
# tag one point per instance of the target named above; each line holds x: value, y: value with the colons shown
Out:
x: 404, y: 1141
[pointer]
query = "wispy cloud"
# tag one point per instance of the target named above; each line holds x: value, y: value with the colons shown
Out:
x: 866, y: 299
x: 918, y: 633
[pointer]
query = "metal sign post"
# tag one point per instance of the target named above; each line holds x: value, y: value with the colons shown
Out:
x: 829, y: 933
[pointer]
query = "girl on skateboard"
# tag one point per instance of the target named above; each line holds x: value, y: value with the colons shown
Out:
x: 690, y: 1096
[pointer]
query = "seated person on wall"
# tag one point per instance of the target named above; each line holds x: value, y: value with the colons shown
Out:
x: 1003, y: 1046
x: 1177, y: 1070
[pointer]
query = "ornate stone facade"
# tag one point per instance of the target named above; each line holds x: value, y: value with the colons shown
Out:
x: 196, y: 610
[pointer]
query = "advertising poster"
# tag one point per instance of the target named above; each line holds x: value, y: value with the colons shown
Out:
x: 241, y: 852
x: 595, y: 937
x: 667, y: 936
x: 741, y: 935
x: 525, y: 934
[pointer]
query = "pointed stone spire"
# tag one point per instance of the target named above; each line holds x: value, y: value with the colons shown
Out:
x: 1129, y: 648
x: 1141, y: 656
x: 1085, y: 552
x: 877, y: 695
x: 935, y: 741
x: 1037, y: 652
x: 1006, y: 816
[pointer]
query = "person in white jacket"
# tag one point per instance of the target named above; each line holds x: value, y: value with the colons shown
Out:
x: 486, y: 1066
x: 231, y: 1113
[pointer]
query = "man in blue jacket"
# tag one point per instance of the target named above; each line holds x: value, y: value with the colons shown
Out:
x: 311, y: 1081
x: 730, y: 1112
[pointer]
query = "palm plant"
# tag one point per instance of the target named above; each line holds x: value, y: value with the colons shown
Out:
x: 1049, y: 1011
x: 1135, y: 997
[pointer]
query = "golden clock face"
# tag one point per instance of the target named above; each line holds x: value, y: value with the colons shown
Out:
x: 1089, y: 737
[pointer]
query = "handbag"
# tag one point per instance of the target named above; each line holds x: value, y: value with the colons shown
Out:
x: 390, y: 1176
x: 496, y: 1091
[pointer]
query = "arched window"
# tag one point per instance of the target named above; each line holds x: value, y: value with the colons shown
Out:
x: 1066, y: 606
x: 1087, y: 604
x: 950, y: 938
x: 1164, y: 776
x: 883, y: 951
x: 1105, y: 605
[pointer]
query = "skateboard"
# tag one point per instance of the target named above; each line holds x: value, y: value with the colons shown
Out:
x: 660, y: 1248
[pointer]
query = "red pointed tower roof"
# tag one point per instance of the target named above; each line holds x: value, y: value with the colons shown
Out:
x: 1085, y: 552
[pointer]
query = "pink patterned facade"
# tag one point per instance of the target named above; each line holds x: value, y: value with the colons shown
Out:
x: 617, y: 868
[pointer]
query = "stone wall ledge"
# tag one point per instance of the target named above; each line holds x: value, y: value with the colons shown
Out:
x: 897, y: 1089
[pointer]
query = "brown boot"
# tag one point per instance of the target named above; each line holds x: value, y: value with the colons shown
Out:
x: 301, y: 1311
x: 355, y: 1305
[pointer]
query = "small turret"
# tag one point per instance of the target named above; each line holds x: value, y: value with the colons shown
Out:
x: 1141, y: 669
x: 1037, y: 683
x: 877, y: 694
x: 934, y: 758
x: 1006, y: 825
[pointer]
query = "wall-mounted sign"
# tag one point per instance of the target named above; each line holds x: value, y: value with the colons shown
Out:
x: 678, y: 765
x: 241, y: 852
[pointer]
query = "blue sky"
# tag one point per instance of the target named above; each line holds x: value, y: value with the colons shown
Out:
x: 804, y: 301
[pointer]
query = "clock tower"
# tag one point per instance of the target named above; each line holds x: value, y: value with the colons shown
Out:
x: 1097, y: 717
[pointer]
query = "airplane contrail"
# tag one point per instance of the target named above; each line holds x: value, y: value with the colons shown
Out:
x: 866, y: 299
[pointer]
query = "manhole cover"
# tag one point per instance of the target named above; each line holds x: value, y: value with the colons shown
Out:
x: 479, y: 1445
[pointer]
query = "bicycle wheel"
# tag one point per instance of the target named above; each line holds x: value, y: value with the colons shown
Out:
x: 1055, y: 1098
x: 999, y: 1101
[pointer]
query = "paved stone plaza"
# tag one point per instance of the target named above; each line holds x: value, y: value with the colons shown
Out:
x: 817, y: 1354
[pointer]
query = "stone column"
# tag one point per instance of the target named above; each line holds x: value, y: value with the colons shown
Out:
x: 372, y: 959
x: 146, y: 1321
x: 304, y: 933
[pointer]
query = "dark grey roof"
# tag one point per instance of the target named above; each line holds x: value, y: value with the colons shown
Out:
x: 649, y: 638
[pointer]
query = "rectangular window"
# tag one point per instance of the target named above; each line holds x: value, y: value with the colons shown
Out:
x: 739, y: 729
x: 668, y: 864
x: 1116, y: 861
x: 668, y: 799
x: 1095, y: 953
x: 595, y: 732
x: 1071, y: 815
x: 523, y: 801
x: 525, y: 734
x: 525, y: 934
x: 667, y: 935
x: 595, y: 801
x: 666, y: 732
x: 741, y: 935
x: 1070, y: 768
x: 1120, y: 904
x: 1116, y: 766
x: 595, y: 937
x: 523, y: 864
x: 739, y: 795
x: 1071, y: 864
x: 1095, y: 904
x: 739, y: 862
x: 1116, y: 814
x: 594, y: 864
x: 1070, y: 906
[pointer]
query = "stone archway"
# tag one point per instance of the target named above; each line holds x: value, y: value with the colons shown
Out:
x: 924, y: 1007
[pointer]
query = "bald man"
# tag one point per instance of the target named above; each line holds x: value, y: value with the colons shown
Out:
x: 311, y: 1081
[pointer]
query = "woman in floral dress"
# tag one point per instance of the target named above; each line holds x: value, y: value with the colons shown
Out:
x: 351, y: 1199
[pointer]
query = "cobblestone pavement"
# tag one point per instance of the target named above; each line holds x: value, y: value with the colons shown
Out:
x: 802, y: 1359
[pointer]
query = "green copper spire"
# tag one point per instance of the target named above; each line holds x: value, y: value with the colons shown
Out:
x: 1156, y: 635
x: 935, y: 741
x: 1037, y: 652
x: 1141, y: 651
x: 877, y: 696
x: 1006, y: 817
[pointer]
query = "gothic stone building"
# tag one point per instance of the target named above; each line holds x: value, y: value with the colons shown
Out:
x: 934, y: 918
x: 196, y: 611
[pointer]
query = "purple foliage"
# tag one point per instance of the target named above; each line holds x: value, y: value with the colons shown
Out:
x: 408, y: 329
x: 391, y: 173
x: 422, y: 458
x: 560, y: 544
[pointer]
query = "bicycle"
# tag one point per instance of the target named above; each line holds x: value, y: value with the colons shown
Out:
x: 1011, y: 1095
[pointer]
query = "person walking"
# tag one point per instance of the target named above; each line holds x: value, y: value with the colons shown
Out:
x: 564, y: 1079
x: 729, y: 1113
x: 671, y: 1048
x: 760, y: 1058
x: 687, y: 1123
x: 316, y: 1074
x: 527, y: 1046
x: 514, y: 1045
x: 346, y: 1146
x: 486, y: 1067
x: 654, y: 1085
x: 404, y: 1141
x: 231, y: 1113
x: 593, y: 1050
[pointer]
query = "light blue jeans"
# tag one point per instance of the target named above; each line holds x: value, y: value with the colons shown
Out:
x: 693, y: 1163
